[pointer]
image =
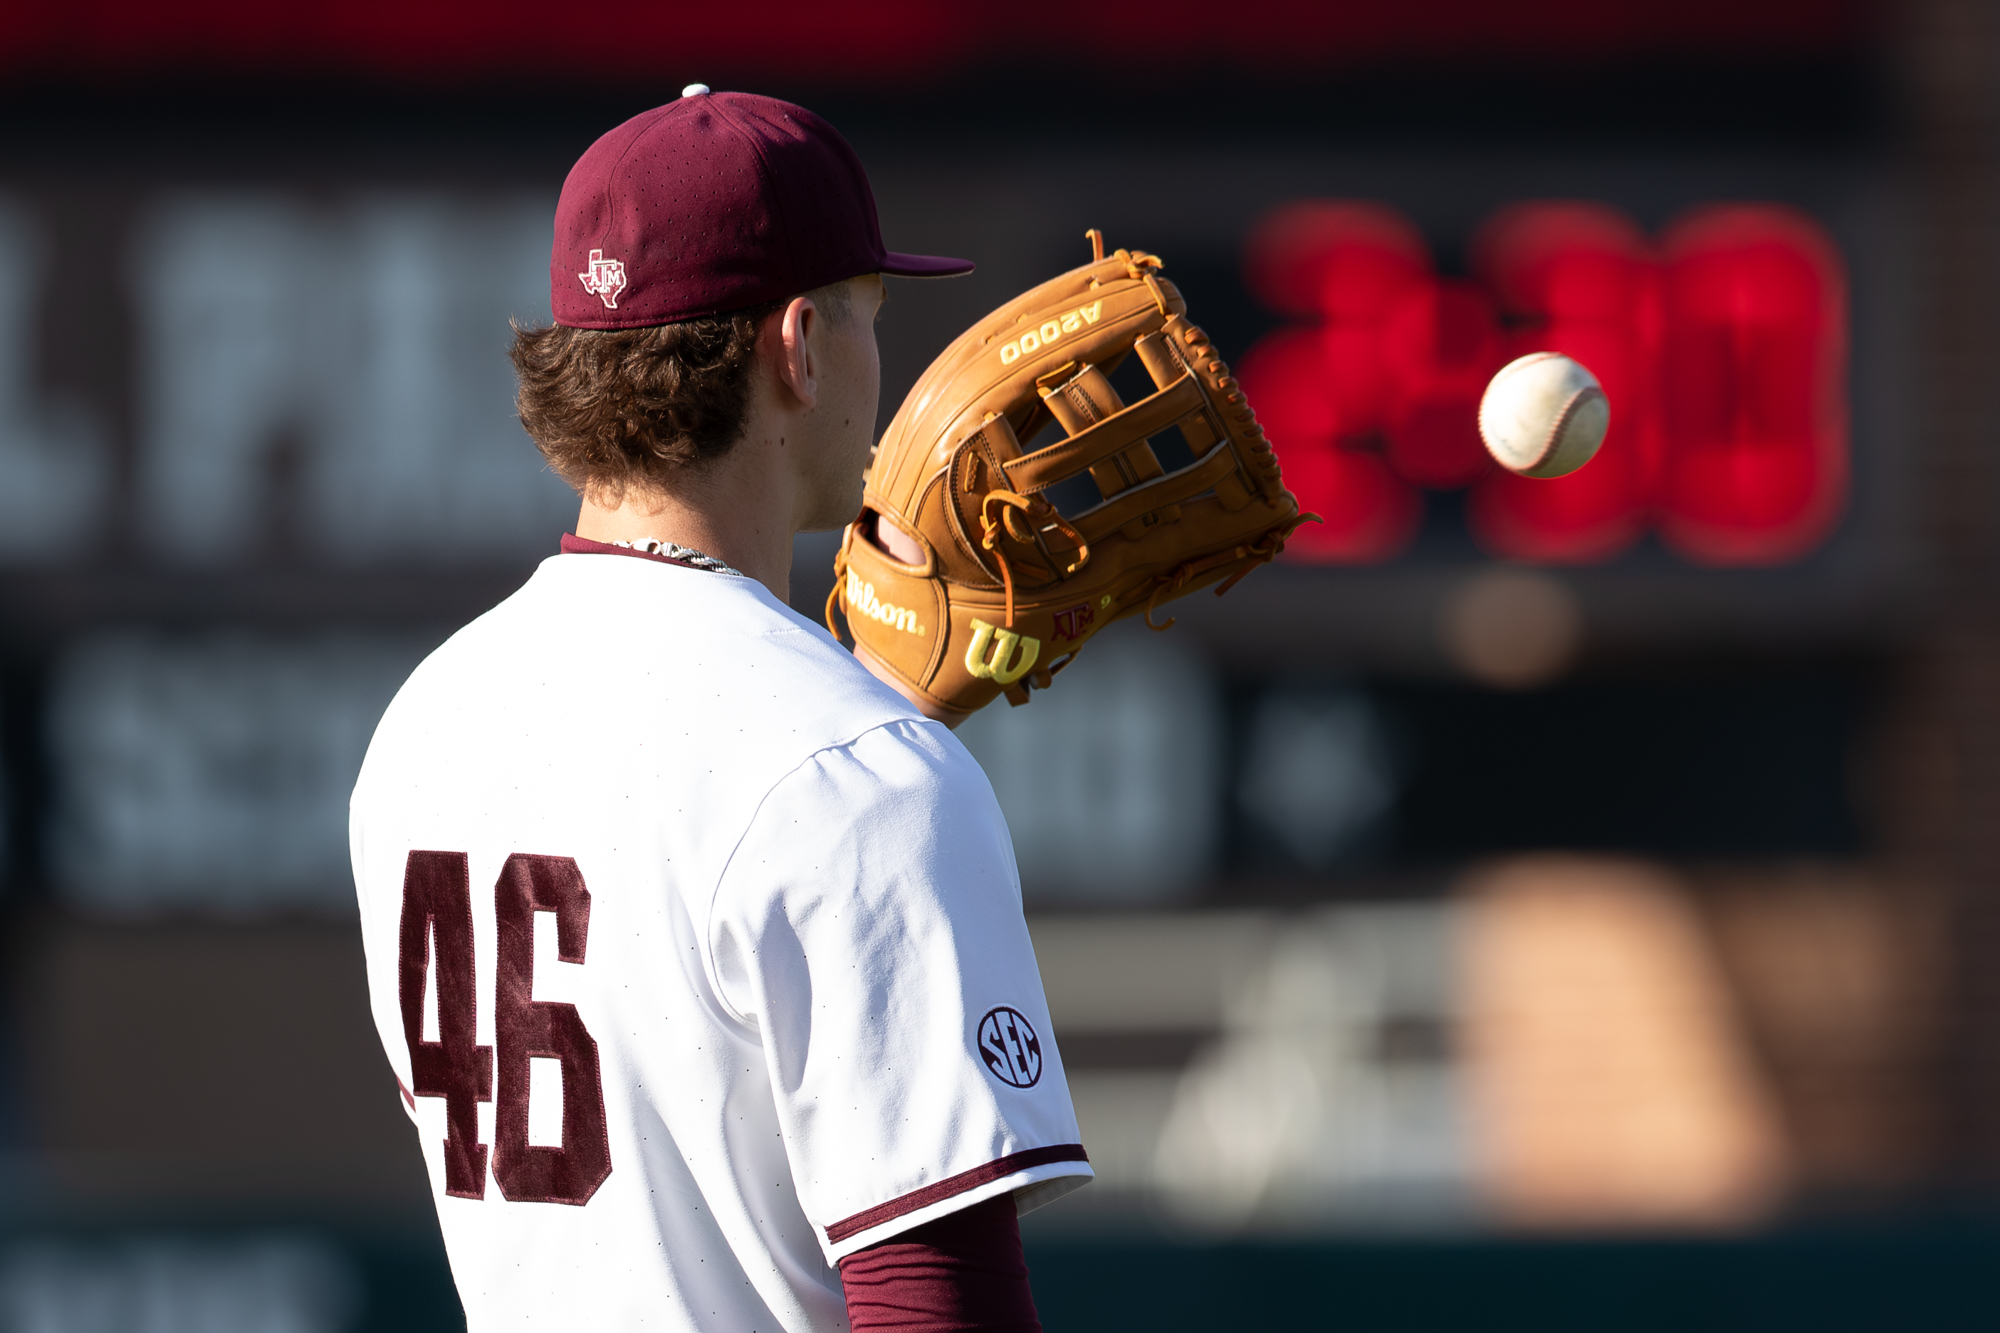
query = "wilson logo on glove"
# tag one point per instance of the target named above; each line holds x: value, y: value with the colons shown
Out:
x: 1015, y: 571
x: 1012, y: 654
x: 861, y: 597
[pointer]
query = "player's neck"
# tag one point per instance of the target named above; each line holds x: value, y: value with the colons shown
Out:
x: 738, y: 509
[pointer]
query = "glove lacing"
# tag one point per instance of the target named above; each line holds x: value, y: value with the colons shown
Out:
x: 1036, y: 508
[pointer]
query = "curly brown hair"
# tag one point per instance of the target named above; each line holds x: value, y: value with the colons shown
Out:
x: 612, y: 408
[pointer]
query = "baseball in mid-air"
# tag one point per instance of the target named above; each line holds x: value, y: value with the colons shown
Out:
x: 1543, y: 415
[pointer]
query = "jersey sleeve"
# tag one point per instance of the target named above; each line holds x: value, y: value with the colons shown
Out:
x: 868, y: 929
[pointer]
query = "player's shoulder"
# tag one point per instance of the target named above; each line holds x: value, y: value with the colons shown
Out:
x: 897, y: 760
x: 900, y: 811
x: 712, y: 658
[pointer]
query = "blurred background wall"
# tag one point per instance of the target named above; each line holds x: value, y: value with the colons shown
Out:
x: 1556, y: 905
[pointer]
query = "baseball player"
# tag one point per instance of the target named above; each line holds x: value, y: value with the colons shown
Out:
x: 697, y: 950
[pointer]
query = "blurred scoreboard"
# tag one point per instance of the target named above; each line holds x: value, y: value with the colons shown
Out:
x: 1722, y: 347
x: 258, y: 454
x: 323, y: 384
x: 320, y: 375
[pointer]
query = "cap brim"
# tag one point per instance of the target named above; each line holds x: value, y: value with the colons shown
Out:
x: 923, y: 266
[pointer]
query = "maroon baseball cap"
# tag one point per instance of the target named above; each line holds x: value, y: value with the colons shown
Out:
x: 712, y: 203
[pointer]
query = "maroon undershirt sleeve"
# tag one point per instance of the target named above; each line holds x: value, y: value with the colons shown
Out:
x: 960, y: 1273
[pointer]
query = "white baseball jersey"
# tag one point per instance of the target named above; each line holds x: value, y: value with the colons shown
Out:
x: 699, y: 956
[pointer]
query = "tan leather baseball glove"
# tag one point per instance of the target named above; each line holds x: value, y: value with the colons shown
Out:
x: 1007, y: 571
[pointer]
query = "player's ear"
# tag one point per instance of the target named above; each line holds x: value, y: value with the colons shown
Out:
x: 795, y: 360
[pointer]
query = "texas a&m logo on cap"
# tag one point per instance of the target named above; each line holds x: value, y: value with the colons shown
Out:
x: 1010, y: 1048
x: 606, y: 278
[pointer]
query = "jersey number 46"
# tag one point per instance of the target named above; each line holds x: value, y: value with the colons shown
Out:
x: 437, y: 906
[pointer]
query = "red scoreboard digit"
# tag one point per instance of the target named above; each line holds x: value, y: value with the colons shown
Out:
x: 1754, y: 377
x: 1321, y: 389
x: 1578, y: 279
x: 1722, y: 345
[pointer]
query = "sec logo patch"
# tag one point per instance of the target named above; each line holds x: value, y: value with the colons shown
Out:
x: 1010, y: 1048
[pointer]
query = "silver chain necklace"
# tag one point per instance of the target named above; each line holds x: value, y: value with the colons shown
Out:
x: 687, y: 555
